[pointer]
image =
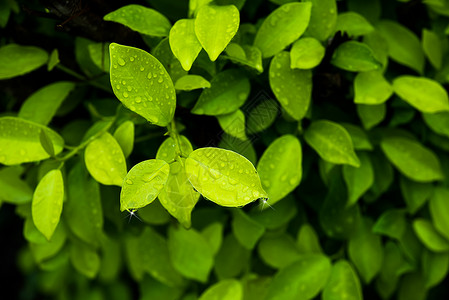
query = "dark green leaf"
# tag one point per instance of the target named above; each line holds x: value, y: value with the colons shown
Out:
x: 356, y: 57
x: 343, y: 283
x: 247, y: 231
x: 17, y: 60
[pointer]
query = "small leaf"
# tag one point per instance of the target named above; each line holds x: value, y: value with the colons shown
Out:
x: 47, y: 203
x: 435, y: 267
x: 23, y: 140
x: 412, y: 159
x: 46, y: 143
x: 358, y: 180
x: 391, y: 223
x: 124, y: 134
x: 422, y: 93
x: 214, y: 235
x: 246, y: 55
x: 143, y: 183
x: 432, y: 48
x: 229, y: 90
x: 308, y: 241
x: 247, y: 231
x: 292, y: 87
x: 415, y: 194
x: 343, y: 283
x: 184, y: 43
x: 429, y: 236
x: 169, y: 150
x: 282, y: 27
x: 359, y: 137
x: 356, y: 57
x: 262, y: 116
x: 13, y: 189
x: 53, y: 61
x: 306, y: 53
x: 17, y: 60
x: 332, y: 142
x: 371, y: 88
x: 303, y: 279
x: 233, y: 124
x: 215, y: 26
x: 142, y: 84
x: 99, y: 54
x: 280, y: 167
x: 438, y: 122
x: 371, y: 115
x: 141, y: 19
x: 439, y: 209
x: 84, y: 259
x: 232, y: 258
x: 105, y: 160
x: 191, y: 82
x: 322, y: 19
x: 278, y: 251
x: 227, y: 289
x: 353, y: 24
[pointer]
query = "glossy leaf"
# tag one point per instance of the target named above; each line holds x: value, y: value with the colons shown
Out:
x: 17, y: 60
x: 105, y: 160
x: 353, y: 24
x: 246, y: 55
x: 356, y: 57
x: 247, y: 231
x: 84, y: 259
x: 371, y: 88
x: 143, y: 183
x: 142, y: 84
x: 432, y: 48
x: 280, y: 167
x: 343, y: 283
x: 13, y: 189
x: 141, y: 19
x: 191, y: 82
x: 229, y: 90
x: 303, y: 279
x: 415, y: 194
x: 124, y: 134
x: 278, y: 251
x: 292, y: 87
x: 439, y: 209
x: 227, y: 289
x: 422, y: 93
x: 428, y: 235
x: 233, y: 124
x: 282, y: 27
x: 42, y: 105
x: 215, y: 26
x: 224, y: 177
x: 306, y: 53
x: 358, y: 180
x: 323, y: 19
x: 412, y: 159
x: 184, y: 43
x: 23, y: 141
x: 332, y: 142
x: 47, y: 203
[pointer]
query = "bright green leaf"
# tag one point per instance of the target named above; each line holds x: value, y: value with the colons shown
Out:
x: 262, y: 116
x: 306, y: 53
x: 371, y: 115
x: 439, y: 209
x: 191, y: 82
x: 322, y: 19
x: 124, y: 134
x: 227, y: 289
x: 247, y: 231
x: 428, y: 235
x: 233, y: 124
x: 184, y: 43
x: 17, y: 60
x: 358, y: 179
x: 371, y: 88
x: 343, y: 283
x: 142, y: 84
x: 355, y: 57
x: 432, y: 47
x: 353, y: 24
x: 246, y: 55
x: 438, y: 122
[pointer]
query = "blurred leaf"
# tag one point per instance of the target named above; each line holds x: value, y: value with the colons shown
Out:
x: 280, y: 213
x: 371, y: 115
x: 233, y: 124
x: 53, y: 60
x: 439, y: 210
x: 231, y: 259
x: 355, y: 57
x: 84, y: 259
x: 438, y: 122
x: 46, y: 143
x: 154, y: 213
x: 343, y: 283
x: 322, y: 19
x: 17, y: 60
x: 247, y: 231
x: 415, y: 193
x: 353, y: 24
x: 308, y: 240
x: 262, y: 116
x: 359, y: 137
x: 432, y: 47
x: 412, y: 287
x: 191, y: 82
x: 278, y: 251
x: 428, y: 235
x: 13, y: 189
x: 227, y: 289
x: 214, y: 235
x: 391, y: 223
x: 306, y: 53
x: 358, y: 180
x: 99, y: 54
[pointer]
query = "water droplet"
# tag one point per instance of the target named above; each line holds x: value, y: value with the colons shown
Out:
x: 160, y: 80
x: 115, y: 66
x: 138, y: 99
x: 256, y: 194
x: 129, y: 181
x: 131, y: 58
x: 124, y: 82
x: 133, y: 108
x: 150, y: 98
x: 150, y: 75
x: 142, y: 69
x: 121, y: 61
x: 125, y: 94
x: 130, y: 89
x: 117, y: 86
x: 283, y: 177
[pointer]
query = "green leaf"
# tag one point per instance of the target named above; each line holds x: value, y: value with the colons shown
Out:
x: 190, y: 253
x: 355, y: 57
x: 278, y: 251
x: 191, y: 82
x: 47, y: 203
x: 124, y: 135
x: 435, y: 267
x: 142, y: 84
x: 53, y: 61
x: 246, y: 55
x: 141, y: 19
x: 17, y: 60
x: 195, y: 5
x: 227, y: 289
x: 154, y: 214
x: 422, y: 93
x: 432, y: 47
x: 371, y: 88
x: 365, y: 251
x: 46, y: 143
x: 428, y: 235
x: 358, y: 180
x: 403, y: 45
x: 359, y: 137
x: 308, y: 241
x: 353, y: 24
x: 306, y: 53
x: 151, y: 288
x: 412, y: 159
x: 415, y: 194
x: 215, y: 26
x: 143, y: 183
x: 292, y: 87
x: 47, y: 249
x: 280, y: 167
x: 438, y: 122
x: 322, y: 19
x: 244, y: 148
x: 370, y: 10
x: 165, y: 55
x: 332, y: 142
x: 233, y: 124
x: 105, y: 160
x: 371, y: 115
x: 224, y: 177
x: 13, y: 189
x: 84, y: 259
x: 134, y: 257
x: 247, y: 231
x: 23, y: 140
x: 343, y: 283
x: 391, y: 223
x: 169, y: 150
x: 99, y: 54
x: 303, y: 279
x: 229, y: 90
x: 262, y: 116
x: 282, y: 27
x: 111, y: 258
x: 231, y: 259
x: 214, y: 235
x: 439, y: 210
x: 282, y: 213
x: 412, y: 287
x: 184, y: 43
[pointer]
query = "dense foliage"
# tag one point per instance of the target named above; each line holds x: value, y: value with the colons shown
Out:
x: 224, y: 149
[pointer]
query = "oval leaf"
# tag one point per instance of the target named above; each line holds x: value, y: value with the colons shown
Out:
x: 184, y: 43
x: 322, y: 19
x: 371, y: 88
x: 47, y: 203
x: 215, y: 26
x: 124, y: 134
x: 142, y: 84
x: 227, y: 289
x: 429, y: 236
x: 353, y: 24
x: 356, y: 57
x: 191, y: 82
x: 439, y: 209
x: 358, y: 180
x: 306, y: 53
x: 224, y: 177
x: 143, y: 183
x: 233, y: 124
x: 432, y: 48
x: 343, y: 283
x: 17, y: 60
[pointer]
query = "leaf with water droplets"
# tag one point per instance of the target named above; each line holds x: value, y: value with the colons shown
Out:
x: 306, y: 53
x: 247, y: 55
x: 184, y: 43
x: 292, y: 87
x: 371, y: 88
x: 47, y: 202
x: 226, y: 289
x: 23, y: 141
x: 229, y: 90
x: 215, y: 26
x: 124, y: 134
x: 105, y: 160
x: 224, y: 177
x: 143, y: 183
x: 17, y: 60
x: 280, y: 167
x: 343, y: 283
x: 356, y: 57
x: 142, y: 84
x: 233, y: 124
x: 141, y: 19
x: 191, y: 82
x: 322, y: 19
x: 282, y: 27
x: 353, y: 24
